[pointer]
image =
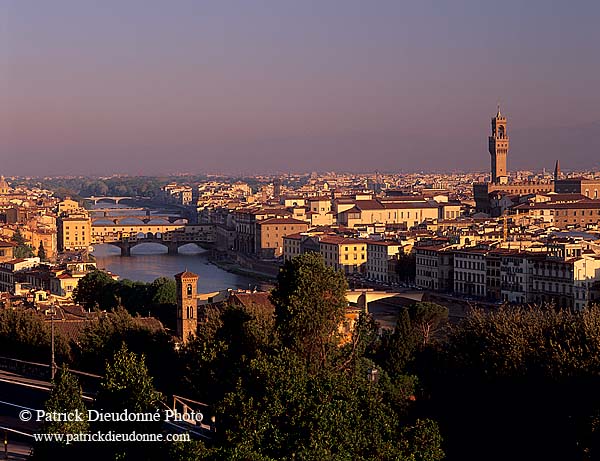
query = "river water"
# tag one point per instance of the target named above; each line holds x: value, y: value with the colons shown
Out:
x: 149, y: 261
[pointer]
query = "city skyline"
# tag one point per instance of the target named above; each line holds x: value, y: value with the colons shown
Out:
x: 264, y: 87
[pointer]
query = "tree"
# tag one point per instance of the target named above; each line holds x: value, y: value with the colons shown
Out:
x: 310, y: 303
x: 427, y: 318
x: 25, y: 335
x: 406, y: 267
x: 127, y: 385
x: 285, y: 411
x: 163, y: 290
x: 303, y: 395
x: 65, y: 398
x: 397, y: 348
x: 103, y: 338
x: 42, y: 252
x: 23, y: 249
x: 522, y: 379
x: 226, y: 343
x: 97, y: 290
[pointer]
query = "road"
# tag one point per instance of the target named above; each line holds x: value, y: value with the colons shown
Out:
x: 16, y: 394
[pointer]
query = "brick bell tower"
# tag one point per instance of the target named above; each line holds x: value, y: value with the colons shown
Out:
x: 187, y: 305
x: 498, y: 147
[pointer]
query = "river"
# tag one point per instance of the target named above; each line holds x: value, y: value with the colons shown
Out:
x: 149, y: 261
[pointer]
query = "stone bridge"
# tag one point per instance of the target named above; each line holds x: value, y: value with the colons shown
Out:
x: 145, y: 219
x: 170, y: 235
x: 106, y: 199
x: 172, y: 245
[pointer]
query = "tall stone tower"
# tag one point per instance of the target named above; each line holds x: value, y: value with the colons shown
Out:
x: 498, y: 147
x: 277, y: 188
x: 557, y: 170
x: 187, y: 306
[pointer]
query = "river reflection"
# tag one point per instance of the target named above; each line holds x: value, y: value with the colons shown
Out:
x: 149, y: 261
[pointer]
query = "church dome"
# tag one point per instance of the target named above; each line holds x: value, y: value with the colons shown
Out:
x: 3, y: 186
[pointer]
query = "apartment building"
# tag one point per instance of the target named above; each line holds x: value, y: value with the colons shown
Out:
x: 319, y: 211
x: 470, y: 272
x: 74, y: 232
x: 564, y: 215
x: 379, y: 253
x: 434, y: 267
x: 9, y: 271
x: 244, y: 221
x: 300, y: 243
x: 567, y: 277
x: 343, y: 253
x: 7, y: 250
x: 270, y: 234
x: 407, y: 214
x: 516, y: 276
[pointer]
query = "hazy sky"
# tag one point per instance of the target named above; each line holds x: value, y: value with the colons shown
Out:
x: 263, y: 86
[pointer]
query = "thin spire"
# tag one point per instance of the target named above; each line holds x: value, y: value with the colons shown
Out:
x: 498, y: 114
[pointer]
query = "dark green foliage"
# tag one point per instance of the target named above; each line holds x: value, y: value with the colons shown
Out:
x: 397, y: 348
x: 524, y: 380
x: 415, y: 328
x: 24, y: 335
x: 283, y: 411
x: 406, y: 267
x: 64, y: 398
x: 42, y: 252
x: 127, y: 385
x: 97, y: 290
x: 310, y: 302
x: 286, y: 399
x: 101, y: 340
x: 194, y: 450
x: 226, y: 343
x: 163, y: 290
x: 426, y: 319
x: 23, y: 249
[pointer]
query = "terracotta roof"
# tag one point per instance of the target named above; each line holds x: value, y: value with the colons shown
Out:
x: 406, y: 205
x: 296, y: 236
x: 259, y: 299
x: 384, y: 242
x: 338, y: 240
x: 70, y: 329
x: 567, y: 197
x: 403, y: 198
x: 281, y: 221
x: 149, y: 323
x: 186, y: 275
x: 368, y: 205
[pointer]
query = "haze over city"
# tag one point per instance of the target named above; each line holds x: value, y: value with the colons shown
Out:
x: 266, y: 86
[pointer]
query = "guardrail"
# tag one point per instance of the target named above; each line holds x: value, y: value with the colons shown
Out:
x: 42, y: 371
